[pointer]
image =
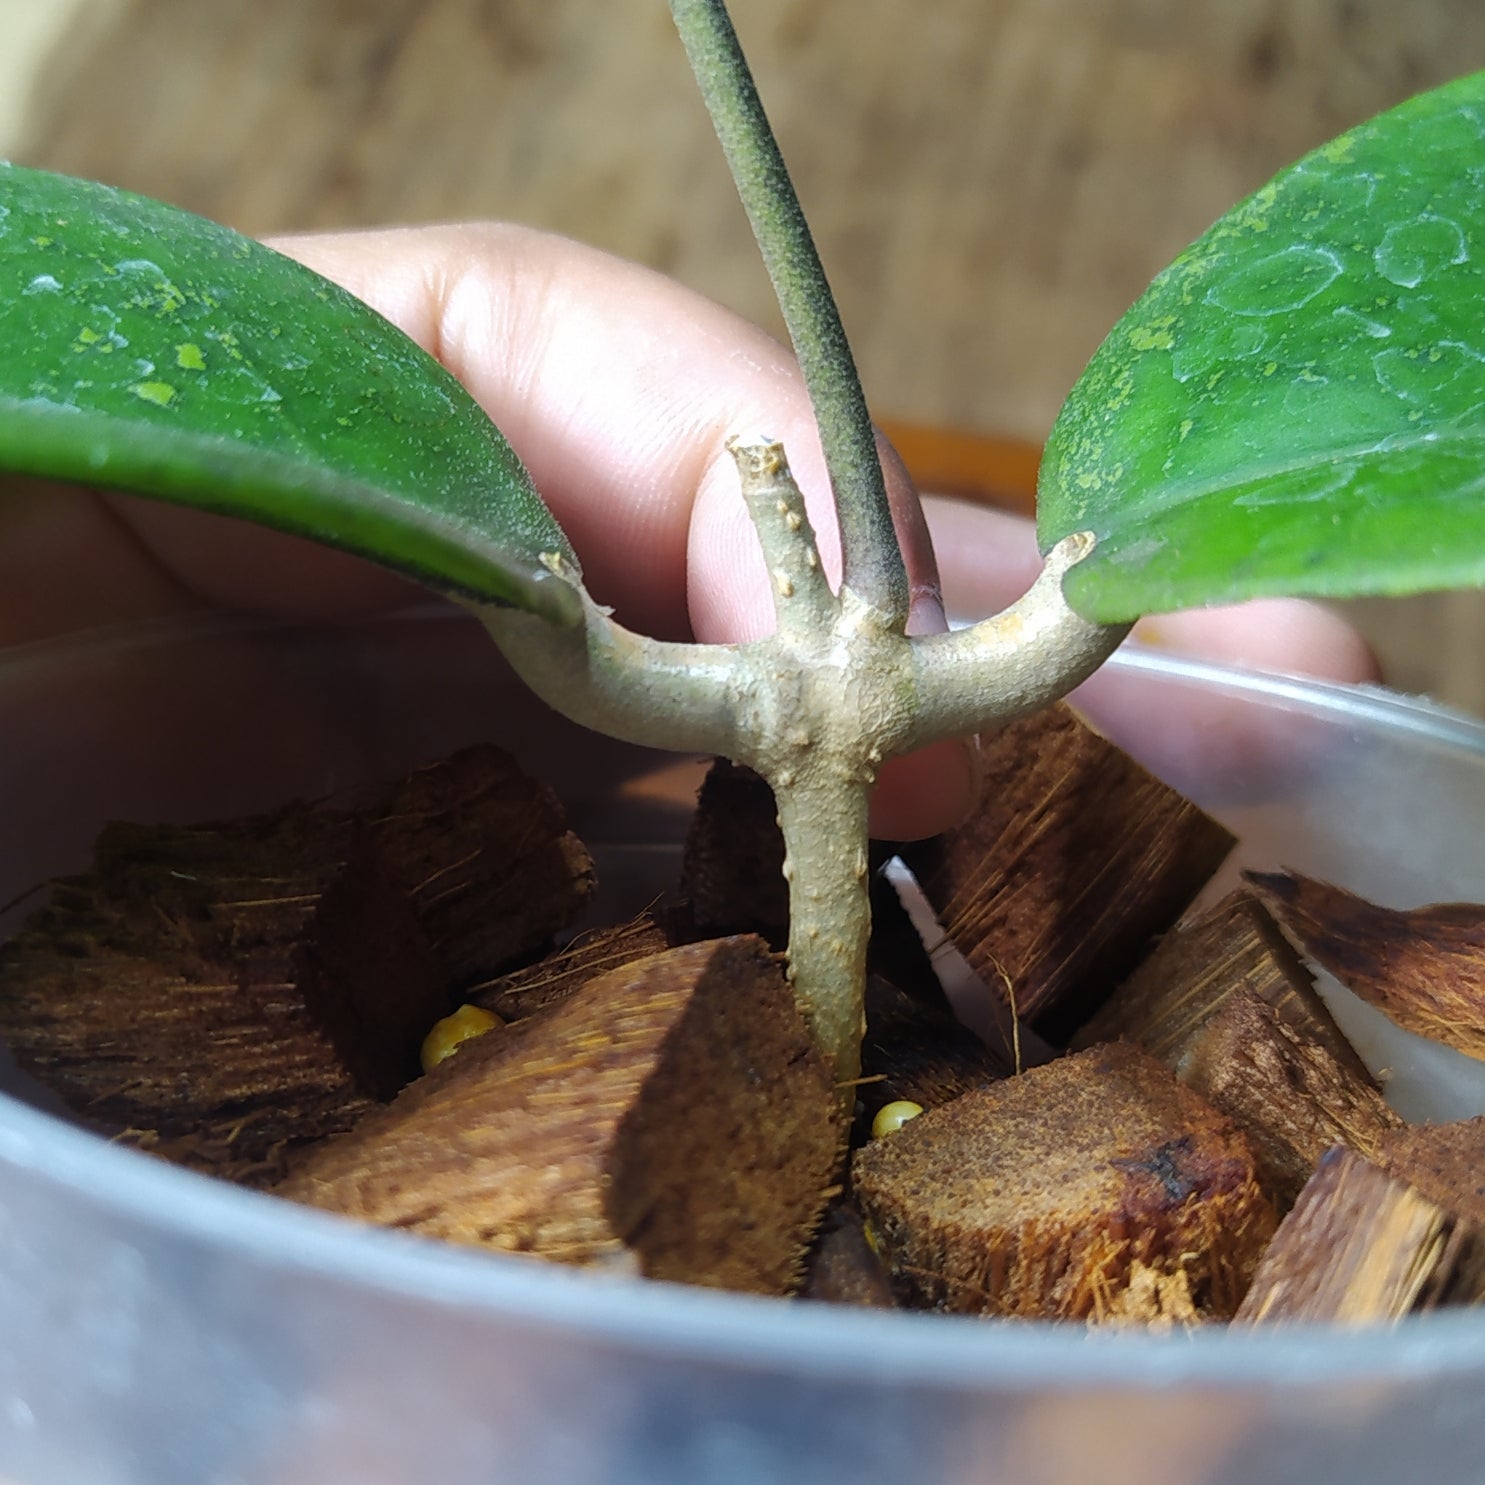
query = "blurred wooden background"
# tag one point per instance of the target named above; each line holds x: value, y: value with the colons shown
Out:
x: 992, y: 181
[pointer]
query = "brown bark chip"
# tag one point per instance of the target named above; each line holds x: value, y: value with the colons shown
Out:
x: 675, y: 1116
x: 523, y: 992
x: 732, y: 865
x: 1077, y: 858
x: 1424, y: 967
x: 1226, y: 1003
x: 1236, y: 945
x: 1444, y: 1162
x: 1287, y: 1093
x: 485, y: 856
x: 224, y: 992
x: 1362, y: 1247
x: 1067, y: 1193
x: 843, y: 1267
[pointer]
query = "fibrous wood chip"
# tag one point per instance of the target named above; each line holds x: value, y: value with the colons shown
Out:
x: 1226, y: 1003
x: 1067, y: 1192
x: 914, y: 1051
x: 1444, y: 1162
x: 1236, y: 945
x: 910, y: 950
x: 675, y: 1117
x: 1362, y: 1247
x: 732, y: 864
x: 1424, y: 968
x: 221, y: 993
x: 1287, y: 1093
x: 486, y: 858
x: 1077, y: 858
x: 523, y: 992
x: 1154, y: 1298
x: 843, y: 1266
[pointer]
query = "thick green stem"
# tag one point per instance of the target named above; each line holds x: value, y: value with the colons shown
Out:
x: 1035, y: 651
x: 660, y: 695
x: 872, y: 559
x: 822, y: 814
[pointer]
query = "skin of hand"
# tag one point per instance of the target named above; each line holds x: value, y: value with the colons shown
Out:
x: 619, y: 389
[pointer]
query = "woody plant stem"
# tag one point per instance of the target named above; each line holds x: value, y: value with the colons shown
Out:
x: 839, y: 687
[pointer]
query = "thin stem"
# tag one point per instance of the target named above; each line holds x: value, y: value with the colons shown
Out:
x: 872, y: 559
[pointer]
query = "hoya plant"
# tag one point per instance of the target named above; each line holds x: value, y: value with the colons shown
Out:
x: 1297, y: 405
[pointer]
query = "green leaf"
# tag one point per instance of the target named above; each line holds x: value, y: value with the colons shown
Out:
x: 1296, y: 405
x: 145, y: 349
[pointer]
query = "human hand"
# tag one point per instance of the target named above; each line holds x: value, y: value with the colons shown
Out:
x: 619, y: 390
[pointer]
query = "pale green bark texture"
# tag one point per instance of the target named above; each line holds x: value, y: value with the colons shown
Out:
x: 816, y: 708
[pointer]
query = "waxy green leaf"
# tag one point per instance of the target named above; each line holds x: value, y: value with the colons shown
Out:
x: 1296, y: 405
x: 145, y: 349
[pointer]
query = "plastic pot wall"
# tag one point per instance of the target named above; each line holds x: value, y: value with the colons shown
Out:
x: 157, y: 1328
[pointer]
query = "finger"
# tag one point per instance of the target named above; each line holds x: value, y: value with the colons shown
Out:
x: 1290, y: 635
x: 619, y: 389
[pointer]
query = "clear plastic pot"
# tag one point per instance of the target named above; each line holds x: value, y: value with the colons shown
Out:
x: 158, y: 1328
